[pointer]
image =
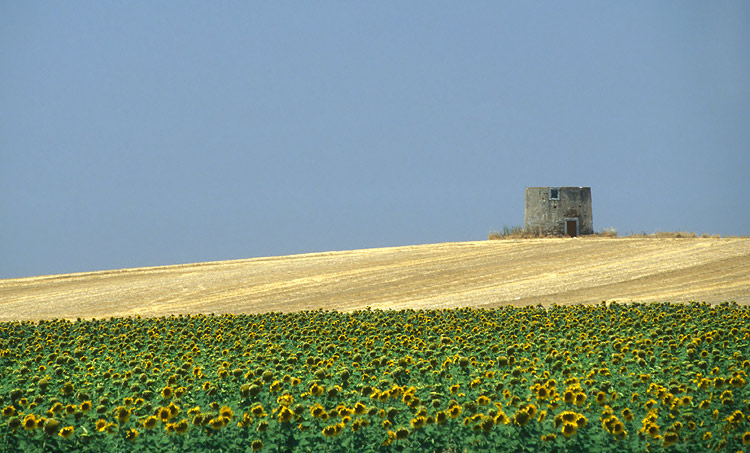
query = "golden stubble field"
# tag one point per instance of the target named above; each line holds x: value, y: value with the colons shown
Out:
x: 478, y: 274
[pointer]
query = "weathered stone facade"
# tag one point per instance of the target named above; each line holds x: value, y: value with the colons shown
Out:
x: 559, y: 211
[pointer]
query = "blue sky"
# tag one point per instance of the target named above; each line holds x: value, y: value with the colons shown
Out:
x: 150, y: 133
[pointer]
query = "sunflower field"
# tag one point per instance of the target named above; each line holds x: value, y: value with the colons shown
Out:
x: 608, y: 377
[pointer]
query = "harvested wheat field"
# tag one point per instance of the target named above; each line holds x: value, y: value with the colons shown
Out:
x: 477, y: 274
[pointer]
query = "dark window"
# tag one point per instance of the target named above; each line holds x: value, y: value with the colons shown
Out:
x: 554, y: 194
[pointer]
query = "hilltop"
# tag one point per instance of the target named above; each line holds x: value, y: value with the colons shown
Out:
x: 478, y: 274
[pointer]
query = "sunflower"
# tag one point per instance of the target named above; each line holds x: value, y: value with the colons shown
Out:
x: 627, y: 414
x: 568, y: 429
x: 150, y: 422
x: 256, y: 445
x: 454, y: 388
x: 181, y: 427
x: 85, y: 406
x: 202, y: 419
x: 68, y: 389
x: 402, y: 433
x: 66, y: 432
x: 173, y: 409
x: 521, y: 417
x: 418, y: 422
x: 330, y: 431
x: 454, y: 411
x: 217, y: 423
x: 542, y: 393
x: 163, y: 414
x: 285, y: 400
x: 359, y: 408
x: 14, y: 423
x: 51, y: 426
x: 285, y: 415
x: 247, y: 419
x: 565, y: 417
x: 101, y: 425
x: 227, y: 412
x: 122, y: 414
x: 601, y: 398
x: 167, y: 392
x: 317, y: 410
x: 316, y: 390
x: 580, y: 399
x: 746, y: 438
x: 29, y: 422
x: 483, y: 400
x: 131, y: 434
x: 669, y: 439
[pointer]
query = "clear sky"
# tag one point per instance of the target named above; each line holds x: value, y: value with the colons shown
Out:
x: 146, y: 133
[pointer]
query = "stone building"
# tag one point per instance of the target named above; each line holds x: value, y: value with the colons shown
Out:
x: 559, y: 211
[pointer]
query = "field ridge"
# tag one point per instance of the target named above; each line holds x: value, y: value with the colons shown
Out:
x: 478, y: 274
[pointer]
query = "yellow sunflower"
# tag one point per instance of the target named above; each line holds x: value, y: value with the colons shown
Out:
x: 150, y: 422
x: 131, y: 434
x: 29, y: 422
x: 66, y: 432
x: 181, y: 427
x: 568, y: 429
x: 167, y: 392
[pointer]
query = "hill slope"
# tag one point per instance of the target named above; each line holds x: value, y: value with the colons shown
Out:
x: 484, y: 274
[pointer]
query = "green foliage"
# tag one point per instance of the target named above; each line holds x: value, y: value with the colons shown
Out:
x: 610, y: 377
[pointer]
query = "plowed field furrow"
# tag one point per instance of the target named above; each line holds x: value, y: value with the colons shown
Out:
x: 486, y: 274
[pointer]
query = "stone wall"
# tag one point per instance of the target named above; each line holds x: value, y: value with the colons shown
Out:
x: 559, y: 211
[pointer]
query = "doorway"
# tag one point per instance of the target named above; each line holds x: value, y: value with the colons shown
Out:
x: 571, y: 227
